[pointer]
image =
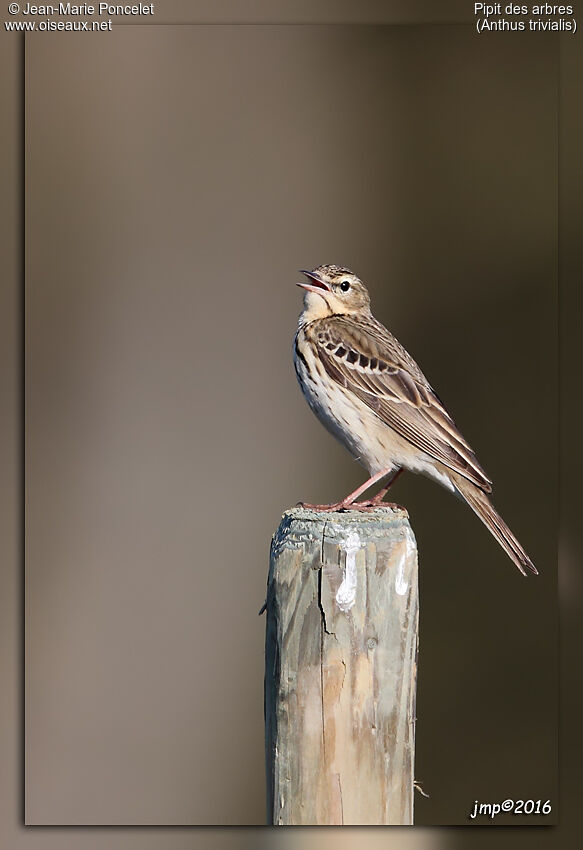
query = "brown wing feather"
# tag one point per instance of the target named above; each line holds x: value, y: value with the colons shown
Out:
x: 366, y: 359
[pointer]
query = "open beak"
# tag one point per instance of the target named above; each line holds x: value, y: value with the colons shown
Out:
x: 316, y: 284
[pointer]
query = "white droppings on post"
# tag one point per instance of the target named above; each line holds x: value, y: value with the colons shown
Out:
x: 401, y: 584
x: 346, y: 595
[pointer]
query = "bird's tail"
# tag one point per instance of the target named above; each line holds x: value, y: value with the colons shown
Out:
x: 481, y: 505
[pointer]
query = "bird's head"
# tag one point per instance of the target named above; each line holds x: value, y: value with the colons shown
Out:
x: 333, y: 290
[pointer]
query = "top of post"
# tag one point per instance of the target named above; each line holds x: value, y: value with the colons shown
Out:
x: 300, y: 523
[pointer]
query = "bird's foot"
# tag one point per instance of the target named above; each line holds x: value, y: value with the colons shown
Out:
x: 369, y: 505
x: 335, y: 506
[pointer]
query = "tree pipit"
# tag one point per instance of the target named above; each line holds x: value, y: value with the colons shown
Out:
x: 370, y: 393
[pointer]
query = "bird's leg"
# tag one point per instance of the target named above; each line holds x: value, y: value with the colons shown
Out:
x: 352, y: 497
x: 376, y: 500
x: 350, y: 503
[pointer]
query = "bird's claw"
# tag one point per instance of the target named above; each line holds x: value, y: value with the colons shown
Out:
x: 369, y: 505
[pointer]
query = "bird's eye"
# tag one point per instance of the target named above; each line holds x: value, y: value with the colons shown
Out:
x: 345, y: 286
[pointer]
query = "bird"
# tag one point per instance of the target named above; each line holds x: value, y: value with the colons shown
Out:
x: 372, y: 396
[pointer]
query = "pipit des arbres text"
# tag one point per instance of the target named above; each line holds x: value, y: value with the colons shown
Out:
x: 369, y: 392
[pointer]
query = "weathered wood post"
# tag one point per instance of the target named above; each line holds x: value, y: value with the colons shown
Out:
x: 340, y: 668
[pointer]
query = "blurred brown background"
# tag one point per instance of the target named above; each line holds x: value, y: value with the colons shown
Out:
x: 176, y: 178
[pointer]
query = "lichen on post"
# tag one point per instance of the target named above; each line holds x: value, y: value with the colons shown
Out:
x: 341, y: 663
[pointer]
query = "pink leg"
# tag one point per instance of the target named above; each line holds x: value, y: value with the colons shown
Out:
x: 350, y: 500
x: 376, y: 500
x: 352, y: 497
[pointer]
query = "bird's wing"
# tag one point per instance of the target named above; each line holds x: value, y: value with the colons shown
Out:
x: 364, y: 358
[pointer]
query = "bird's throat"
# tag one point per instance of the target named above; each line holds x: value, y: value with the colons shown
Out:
x: 315, y: 307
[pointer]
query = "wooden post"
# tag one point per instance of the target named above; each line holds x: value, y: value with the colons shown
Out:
x: 340, y: 668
